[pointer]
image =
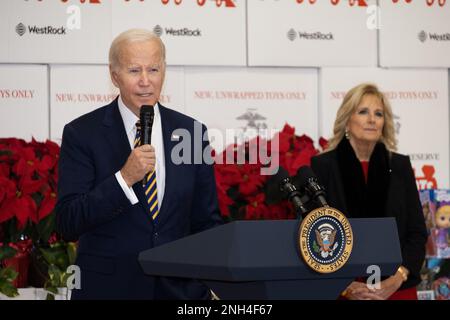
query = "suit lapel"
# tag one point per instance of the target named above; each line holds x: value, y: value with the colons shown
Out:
x: 168, y: 125
x: 114, y: 131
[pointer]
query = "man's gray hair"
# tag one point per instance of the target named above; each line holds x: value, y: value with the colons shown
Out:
x: 129, y: 36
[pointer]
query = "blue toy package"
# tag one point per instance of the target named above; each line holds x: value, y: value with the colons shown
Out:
x: 441, y: 228
x: 435, y: 275
x: 428, y: 207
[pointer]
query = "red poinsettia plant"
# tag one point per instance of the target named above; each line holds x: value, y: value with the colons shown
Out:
x: 245, y: 191
x: 28, y: 181
x: 28, y: 175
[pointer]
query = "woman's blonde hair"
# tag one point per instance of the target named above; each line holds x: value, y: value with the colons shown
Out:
x: 129, y: 36
x: 351, y: 101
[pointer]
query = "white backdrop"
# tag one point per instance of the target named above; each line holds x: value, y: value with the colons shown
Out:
x: 233, y: 50
x: 251, y: 100
x: 422, y: 30
x: 24, y: 102
x: 88, y: 44
x: 286, y: 33
x: 5, y: 30
x: 193, y: 34
x: 419, y: 100
x: 76, y: 90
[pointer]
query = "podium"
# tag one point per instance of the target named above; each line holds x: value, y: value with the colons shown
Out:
x: 260, y: 260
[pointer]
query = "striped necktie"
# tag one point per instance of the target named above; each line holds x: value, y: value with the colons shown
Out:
x: 150, y: 190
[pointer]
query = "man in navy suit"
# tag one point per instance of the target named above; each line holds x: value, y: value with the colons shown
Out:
x: 102, y: 202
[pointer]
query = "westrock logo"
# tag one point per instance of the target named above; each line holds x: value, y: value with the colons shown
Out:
x: 158, y: 30
x: 424, y: 36
x: 21, y: 30
x: 182, y: 32
x: 292, y: 35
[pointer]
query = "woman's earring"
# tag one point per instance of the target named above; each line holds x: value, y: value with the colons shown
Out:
x: 347, y: 135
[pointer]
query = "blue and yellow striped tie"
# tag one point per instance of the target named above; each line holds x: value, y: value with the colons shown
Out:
x: 150, y: 190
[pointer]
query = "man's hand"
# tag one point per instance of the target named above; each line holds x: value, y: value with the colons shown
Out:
x: 140, y: 161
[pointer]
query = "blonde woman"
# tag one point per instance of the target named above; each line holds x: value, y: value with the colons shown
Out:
x: 365, y: 178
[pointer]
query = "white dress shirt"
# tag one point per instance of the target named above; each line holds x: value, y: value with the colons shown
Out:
x: 129, y: 120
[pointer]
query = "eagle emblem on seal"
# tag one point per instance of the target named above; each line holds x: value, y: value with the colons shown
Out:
x: 325, y: 237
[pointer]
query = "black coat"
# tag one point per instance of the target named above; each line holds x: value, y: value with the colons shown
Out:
x: 390, y: 191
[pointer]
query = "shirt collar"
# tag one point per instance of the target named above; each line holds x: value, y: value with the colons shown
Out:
x: 129, y: 118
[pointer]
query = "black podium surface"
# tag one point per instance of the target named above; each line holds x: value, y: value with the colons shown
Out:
x: 259, y: 259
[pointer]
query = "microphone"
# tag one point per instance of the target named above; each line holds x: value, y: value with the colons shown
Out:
x: 147, y: 114
x: 146, y: 119
x: 290, y: 190
x: 308, y: 180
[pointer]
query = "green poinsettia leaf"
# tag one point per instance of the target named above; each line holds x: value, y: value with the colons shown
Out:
x: 5, y: 152
x: 52, y: 269
x: 37, y: 196
x: 7, y: 288
x: 52, y: 289
x: 45, y: 227
x: 65, y: 279
x: 57, y: 277
x: 233, y: 193
x: 62, y: 261
x: 8, y: 274
x: 13, y: 234
x: 7, y: 252
x: 52, y: 254
x: 71, y: 252
x: 58, y: 245
x: 50, y: 296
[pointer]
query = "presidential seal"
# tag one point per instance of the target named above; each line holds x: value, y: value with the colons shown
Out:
x: 325, y: 239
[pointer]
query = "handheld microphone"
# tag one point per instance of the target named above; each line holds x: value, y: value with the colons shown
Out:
x: 147, y: 114
x: 308, y: 180
x: 290, y: 190
x: 146, y: 119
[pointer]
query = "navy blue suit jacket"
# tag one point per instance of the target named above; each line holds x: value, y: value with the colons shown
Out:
x: 93, y: 209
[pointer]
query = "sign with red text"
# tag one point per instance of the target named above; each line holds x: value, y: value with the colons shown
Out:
x: 419, y: 100
x: 76, y: 90
x: 310, y: 33
x: 56, y: 31
x: 415, y: 34
x: 194, y: 32
x: 240, y: 103
x: 24, y: 101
